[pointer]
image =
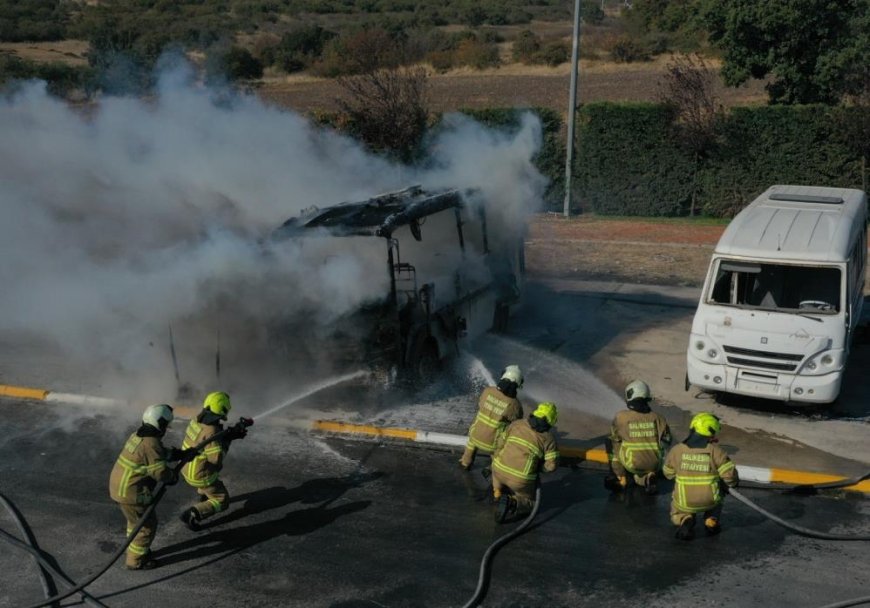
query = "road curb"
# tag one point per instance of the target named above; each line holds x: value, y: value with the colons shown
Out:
x: 762, y: 475
x: 40, y: 394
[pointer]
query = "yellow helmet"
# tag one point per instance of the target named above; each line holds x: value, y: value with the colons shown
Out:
x: 217, y: 403
x: 547, y: 411
x: 705, y: 424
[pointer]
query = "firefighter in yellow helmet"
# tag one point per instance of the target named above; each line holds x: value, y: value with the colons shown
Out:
x: 700, y: 469
x: 497, y: 407
x: 203, y: 471
x: 638, y: 438
x: 525, y: 447
x: 141, y: 465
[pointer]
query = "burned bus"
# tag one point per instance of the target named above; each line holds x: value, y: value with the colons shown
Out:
x: 446, y: 279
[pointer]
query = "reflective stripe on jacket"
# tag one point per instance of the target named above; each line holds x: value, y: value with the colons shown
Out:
x: 140, y: 465
x: 495, y: 411
x: 522, y: 451
x: 205, y: 468
x: 638, y: 439
x: 697, y: 472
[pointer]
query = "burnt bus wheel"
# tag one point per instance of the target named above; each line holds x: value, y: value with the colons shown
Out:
x: 500, y: 317
x: 425, y: 364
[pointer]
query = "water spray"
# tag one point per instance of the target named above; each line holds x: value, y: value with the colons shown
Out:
x: 313, y: 390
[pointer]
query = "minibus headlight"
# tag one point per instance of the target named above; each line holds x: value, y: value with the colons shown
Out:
x: 700, y: 345
x: 712, y: 353
x: 827, y: 359
x: 811, y: 365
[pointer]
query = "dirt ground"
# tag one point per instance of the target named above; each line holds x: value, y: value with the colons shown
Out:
x: 513, y: 85
x: 656, y: 252
x: 645, y: 251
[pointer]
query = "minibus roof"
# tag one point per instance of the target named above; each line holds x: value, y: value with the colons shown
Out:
x: 797, y: 223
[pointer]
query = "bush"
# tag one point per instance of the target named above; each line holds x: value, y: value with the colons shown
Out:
x: 62, y: 80
x: 590, y: 11
x: 478, y: 55
x: 626, y: 50
x: 300, y: 47
x: 239, y: 64
x: 441, y: 61
x: 553, y: 53
x: 526, y: 45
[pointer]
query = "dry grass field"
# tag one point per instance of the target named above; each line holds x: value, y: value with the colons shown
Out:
x: 513, y: 85
x: 661, y: 252
x: 71, y: 52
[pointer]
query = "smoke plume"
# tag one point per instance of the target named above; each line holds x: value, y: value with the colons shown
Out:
x: 123, y: 220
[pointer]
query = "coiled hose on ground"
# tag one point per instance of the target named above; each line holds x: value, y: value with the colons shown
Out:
x: 480, y: 592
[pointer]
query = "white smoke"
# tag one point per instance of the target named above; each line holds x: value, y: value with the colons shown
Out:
x: 121, y: 220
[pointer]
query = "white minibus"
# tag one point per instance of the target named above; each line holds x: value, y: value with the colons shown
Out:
x: 782, y: 297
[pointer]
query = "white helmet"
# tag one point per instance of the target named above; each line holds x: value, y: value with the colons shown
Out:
x: 637, y: 390
x: 155, y: 413
x: 514, y: 374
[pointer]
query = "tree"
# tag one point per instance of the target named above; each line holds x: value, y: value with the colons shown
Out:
x: 385, y: 100
x: 688, y: 89
x: 813, y: 51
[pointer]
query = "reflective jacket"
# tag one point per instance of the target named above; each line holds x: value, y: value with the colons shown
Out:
x: 205, y: 469
x: 141, y: 464
x: 495, y: 411
x: 522, y: 451
x: 697, y: 472
x: 638, y: 440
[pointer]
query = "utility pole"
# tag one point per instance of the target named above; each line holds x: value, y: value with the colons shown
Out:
x: 572, y: 107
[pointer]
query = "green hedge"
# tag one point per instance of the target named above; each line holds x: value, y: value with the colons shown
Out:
x: 630, y: 161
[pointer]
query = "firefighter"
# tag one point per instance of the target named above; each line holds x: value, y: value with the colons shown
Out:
x: 638, y: 437
x: 203, y: 471
x: 524, y: 448
x: 143, y: 463
x: 498, y: 407
x: 703, y: 472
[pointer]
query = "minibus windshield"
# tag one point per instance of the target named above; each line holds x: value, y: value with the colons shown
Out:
x: 779, y: 287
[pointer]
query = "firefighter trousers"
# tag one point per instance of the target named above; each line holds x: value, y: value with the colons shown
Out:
x: 139, y: 549
x: 523, y: 492
x: 678, y: 516
x: 468, y: 456
x: 213, y: 499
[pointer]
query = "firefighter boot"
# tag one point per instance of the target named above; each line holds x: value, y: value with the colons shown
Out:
x: 712, y: 526
x: 686, y: 531
x: 649, y: 484
x: 507, y: 506
x: 146, y: 563
x: 615, y: 483
x: 191, y: 519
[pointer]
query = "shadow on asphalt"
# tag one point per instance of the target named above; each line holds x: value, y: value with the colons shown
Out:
x: 295, y: 523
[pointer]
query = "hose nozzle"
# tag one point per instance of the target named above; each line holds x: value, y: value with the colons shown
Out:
x: 246, y: 422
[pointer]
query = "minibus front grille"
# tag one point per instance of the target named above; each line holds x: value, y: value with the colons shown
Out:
x: 782, y: 367
x: 762, y: 353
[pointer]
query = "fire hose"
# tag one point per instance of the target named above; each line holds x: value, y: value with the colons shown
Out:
x: 480, y: 592
x: 159, y: 492
x: 811, y: 533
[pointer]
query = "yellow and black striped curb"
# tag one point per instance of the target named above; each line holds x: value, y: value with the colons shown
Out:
x: 41, y: 394
x: 747, y: 473
x: 762, y: 475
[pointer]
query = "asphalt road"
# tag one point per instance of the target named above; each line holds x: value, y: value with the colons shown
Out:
x: 339, y: 524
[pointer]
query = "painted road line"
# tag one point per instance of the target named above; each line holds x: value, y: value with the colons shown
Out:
x: 770, y: 476
x: 82, y: 400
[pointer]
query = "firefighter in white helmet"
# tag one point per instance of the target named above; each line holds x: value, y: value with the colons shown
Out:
x: 497, y: 408
x: 143, y: 463
x: 638, y: 439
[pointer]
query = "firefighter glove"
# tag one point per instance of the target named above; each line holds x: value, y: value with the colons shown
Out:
x: 173, y: 478
x: 236, y: 432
